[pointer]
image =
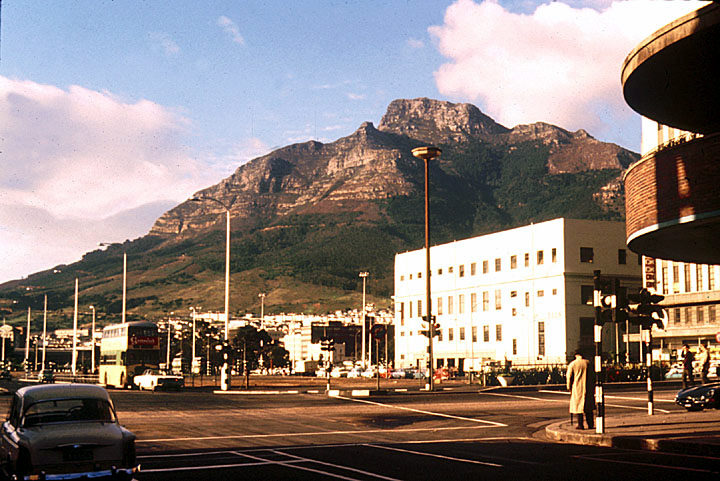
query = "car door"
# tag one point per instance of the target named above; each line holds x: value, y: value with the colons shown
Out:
x: 8, y: 444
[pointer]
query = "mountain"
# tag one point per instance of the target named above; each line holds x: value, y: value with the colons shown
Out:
x: 306, y: 218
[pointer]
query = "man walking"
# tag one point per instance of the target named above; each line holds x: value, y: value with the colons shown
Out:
x: 580, y: 383
x: 688, y: 358
x: 704, y: 361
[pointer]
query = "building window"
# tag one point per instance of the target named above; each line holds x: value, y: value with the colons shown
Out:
x: 440, y: 271
x: 688, y: 315
x: 513, y: 262
x: 474, y: 334
x: 498, y: 264
x: 514, y: 347
x: 699, y: 276
x: 473, y: 302
x: 419, y: 275
x: 439, y: 306
x: 686, y: 273
x: 700, y: 314
x: 541, y: 293
x: 462, y: 333
x: 473, y: 269
x: 419, y: 311
x: 485, y: 267
x: 527, y: 259
x: 513, y: 293
x: 410, y: 276
x: 665, y: 280
x: 439, y: 332
x: 450, y: 334
x: 461, y: 304
x: 622, y: 256
x: 554, y: 255
x: 587, y: 295
x: 676, y: 278
x: 677, y: 316
x: 498, y: 332
x: 486, y: 301
x: 586, y: 254
x: 461, y: 270
x: 711, y: 314
x: 540, y: 257
x: 541, y: 338
x: 527, y: 299
x: 450, y: 304
x: 402, y: 313
x: 410, y: 311
x: 498, y: 299
x: 402, y: 333
x: 402, y: 278
x: 450, y: 269
x: 514, y: 312
x: 486, y: 333
x: 554, y: 292
x: 711, y: 278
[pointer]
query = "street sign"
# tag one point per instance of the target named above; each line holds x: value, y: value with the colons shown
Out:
x: 6, y: 332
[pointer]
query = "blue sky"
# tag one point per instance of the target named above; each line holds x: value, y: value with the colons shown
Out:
x: 111, y: 112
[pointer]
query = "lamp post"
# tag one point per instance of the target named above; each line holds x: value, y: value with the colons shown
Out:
x: 124, y: 280
x: 92, y: 342
x: 27, y: 344
x: 262, y: 310
x: 427, y: 154
x: 75, y: 319
x: 169, y: 329
x: 363, y: 275
x: 44, y: 338
x: 193, y: 338
x: 224, y: 373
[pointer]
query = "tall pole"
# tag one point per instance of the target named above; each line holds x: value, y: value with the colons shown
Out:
x: 124, y: 293
x: 193, y: 336
x: 427, y: 154
x: 262, y: 310
x: 648, y: 360
x: 27, y: 343
x: 599, y: 394
x: 225, y: 370
x: 167, y: 363
x: 44, y: 337
x: 75, y: 319
x: 92, y: 342
x: 364, y: 276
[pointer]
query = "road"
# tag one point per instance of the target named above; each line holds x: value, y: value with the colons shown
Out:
x: 463, y: 435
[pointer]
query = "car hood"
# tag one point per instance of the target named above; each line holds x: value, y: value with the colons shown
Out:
x: 697, y: 390
x: 92, y: 433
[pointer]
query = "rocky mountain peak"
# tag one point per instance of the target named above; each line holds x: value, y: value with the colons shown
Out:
x: 438, y: 121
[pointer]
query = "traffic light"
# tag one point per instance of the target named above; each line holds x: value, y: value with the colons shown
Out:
x: 604, y: 297
x: 642, y: 309
x: 435, y: 328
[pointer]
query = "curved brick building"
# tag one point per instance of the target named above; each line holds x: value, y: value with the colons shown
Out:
x: 672, y: 78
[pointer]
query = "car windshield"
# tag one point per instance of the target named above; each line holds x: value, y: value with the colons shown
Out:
x: 68, y: 410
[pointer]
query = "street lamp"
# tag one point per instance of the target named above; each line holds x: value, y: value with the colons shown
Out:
x: 75, y: 319
x: 427, y: 154
x: 262, y: 310
x: 224, y: 373
x: 363, y: 275
x: 124, y: 282
x: 44, y: 341
x: 92, y: 342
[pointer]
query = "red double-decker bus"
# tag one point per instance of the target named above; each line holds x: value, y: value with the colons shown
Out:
x: 127, y: 350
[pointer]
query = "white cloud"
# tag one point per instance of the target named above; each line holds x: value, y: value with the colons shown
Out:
x: 231, y: 29
x: 559, y: 64
x: 415, y: 43
x: 71, y: 158
x: 165, y: 42
x: 354, y: 96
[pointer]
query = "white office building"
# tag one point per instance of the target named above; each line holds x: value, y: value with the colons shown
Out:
x: 522, y: 295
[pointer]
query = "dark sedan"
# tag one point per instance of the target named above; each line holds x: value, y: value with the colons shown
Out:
x: 697, y: 398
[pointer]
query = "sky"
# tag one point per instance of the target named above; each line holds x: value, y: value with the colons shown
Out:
x: 113, y: 112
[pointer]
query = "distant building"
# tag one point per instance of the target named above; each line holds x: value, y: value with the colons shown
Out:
x: 522, y: 295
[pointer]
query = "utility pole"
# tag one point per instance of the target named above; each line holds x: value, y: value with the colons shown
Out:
x: 599, y: 394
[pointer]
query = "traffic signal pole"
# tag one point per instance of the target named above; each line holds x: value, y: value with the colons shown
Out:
x: 599, y: 394
x: 648, y: 358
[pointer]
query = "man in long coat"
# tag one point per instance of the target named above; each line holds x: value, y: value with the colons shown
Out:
x: 581, y: 384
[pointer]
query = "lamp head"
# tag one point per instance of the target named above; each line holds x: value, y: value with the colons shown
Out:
x: 426, y: 153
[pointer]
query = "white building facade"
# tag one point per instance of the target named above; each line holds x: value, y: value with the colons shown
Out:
x: 522, y: 295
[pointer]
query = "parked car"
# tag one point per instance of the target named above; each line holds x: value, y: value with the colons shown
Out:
x: 697, y: 398
x: 65, y: 431
x: 46, y: 375
x: 153, y: 380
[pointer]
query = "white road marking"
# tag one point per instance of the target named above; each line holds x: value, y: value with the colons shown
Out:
x: 442, y: 415
x: 655, y: 399
x: 304, y: 468
x: 638, y: 408
x: 347, y: 468
x: 449, y: 458
x: 213, y: 466
x: 317, y: 433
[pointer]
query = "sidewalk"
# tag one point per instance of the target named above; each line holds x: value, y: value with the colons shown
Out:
x: 695, y: 433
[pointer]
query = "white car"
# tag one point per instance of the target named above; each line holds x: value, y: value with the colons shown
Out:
x: 153, y: 380
x: 65, y: 431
